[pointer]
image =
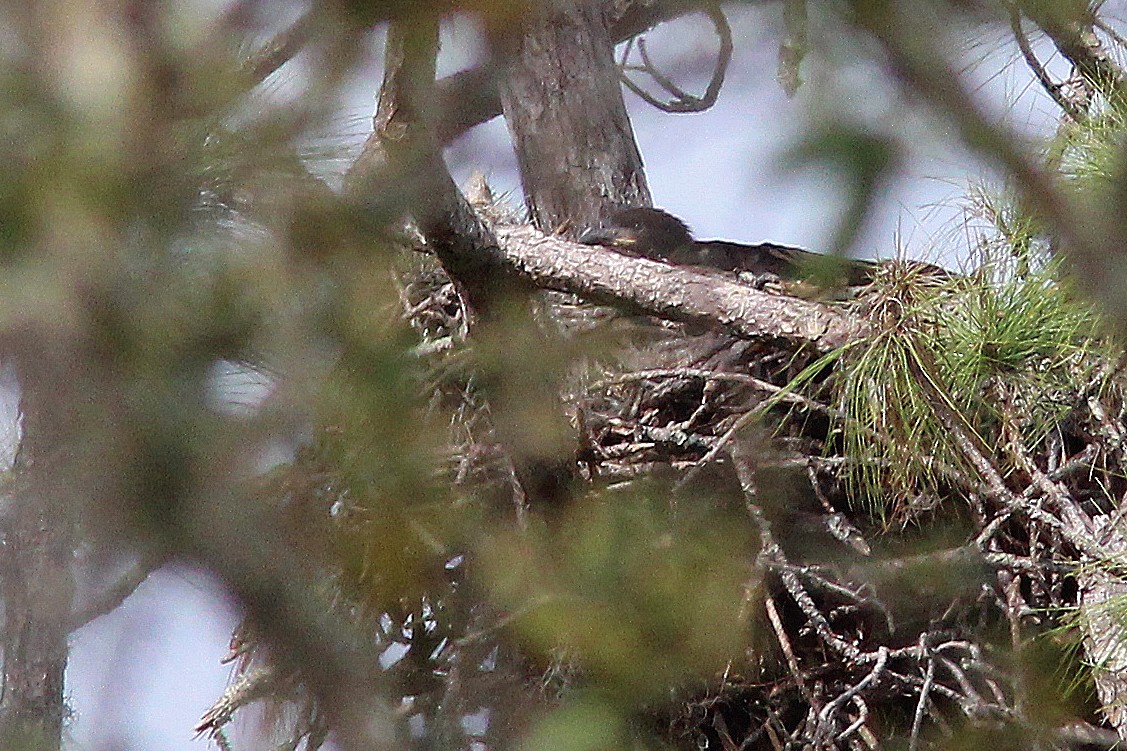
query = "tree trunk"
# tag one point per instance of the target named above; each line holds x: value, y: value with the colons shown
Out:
x: 37, y: 586
x: 563, y: 104
x: 36, y: 575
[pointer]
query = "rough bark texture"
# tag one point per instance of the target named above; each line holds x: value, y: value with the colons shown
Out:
x: 470, y: 97
x: 37, y: 555
x: 673, y: 292
x: 1105, y: 640
x: 564, y: 109
x: 37, y: 586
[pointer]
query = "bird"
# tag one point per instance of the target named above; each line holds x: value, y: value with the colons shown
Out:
x: 659, y: 236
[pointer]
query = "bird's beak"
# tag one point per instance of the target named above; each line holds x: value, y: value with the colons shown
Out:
x: 608, y: 237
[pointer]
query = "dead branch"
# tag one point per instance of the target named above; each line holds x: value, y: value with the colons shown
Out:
x: 469, y: 98
x: 681, y: 101
x: 674, y: 293
x: 1051, y: 87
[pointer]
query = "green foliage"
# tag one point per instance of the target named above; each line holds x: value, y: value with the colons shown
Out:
x: 1071, y: 675
x: 584, y: 724
x: 642, y: 601
x: 950, y: 367
x: 395, y: 523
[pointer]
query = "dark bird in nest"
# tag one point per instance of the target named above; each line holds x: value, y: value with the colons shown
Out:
x: 660, y: 236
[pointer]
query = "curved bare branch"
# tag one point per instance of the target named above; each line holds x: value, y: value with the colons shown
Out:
x: 682, y: 101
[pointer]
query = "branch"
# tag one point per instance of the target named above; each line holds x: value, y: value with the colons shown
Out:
x: 675, y: 293
x: 681, y: 101
x: 1073, y: 35
x: 1051, y: 87
x: 794, y: 46
x: 825, y: 724
x: 470, y: 98
x: 280, y: 50
x: 403, y: 162
x: 117, y: 592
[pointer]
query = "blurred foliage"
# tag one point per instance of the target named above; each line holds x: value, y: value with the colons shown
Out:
x: 642, y: 601
x: 862, y: 160
x: 159, y: 224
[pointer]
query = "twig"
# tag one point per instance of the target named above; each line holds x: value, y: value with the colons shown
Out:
x: 279, y: 50
x: 858, y: 725
x: 1051, y: 87
x: 709, y: 375
x: 922, y: 702
x: 682, y: 101
x: 720, y: 443
x: 788, y: 651
x: 774, y: 554
x: 825, y: 716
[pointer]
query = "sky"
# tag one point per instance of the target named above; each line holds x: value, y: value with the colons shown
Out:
x: 722, y: 171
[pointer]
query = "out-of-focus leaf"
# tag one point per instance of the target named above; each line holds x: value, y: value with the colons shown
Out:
x: 862, y: 159
x: 641, y: 601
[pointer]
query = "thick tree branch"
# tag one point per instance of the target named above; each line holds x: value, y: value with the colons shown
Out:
x: 403, y: 157
x: 675, y: 293
x: 279, y: 50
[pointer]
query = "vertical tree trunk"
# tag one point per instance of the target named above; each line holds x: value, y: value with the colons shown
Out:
x: 37, y: 585
x: 563, y: 104
x: 36, y: 576
x: 524, y: 394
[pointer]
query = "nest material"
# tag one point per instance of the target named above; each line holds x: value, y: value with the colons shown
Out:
x: 859, y: 647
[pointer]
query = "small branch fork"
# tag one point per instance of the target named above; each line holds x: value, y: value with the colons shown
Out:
x: 1051, y: 87
x: 680, y: 101
x: 1013, y: 492
x: 829, y: 722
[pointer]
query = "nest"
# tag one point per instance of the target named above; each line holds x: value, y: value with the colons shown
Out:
x: 869, y: 625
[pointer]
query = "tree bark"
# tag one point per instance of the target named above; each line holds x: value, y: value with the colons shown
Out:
x: 702, y: 297
x: 37, y: 587
x: 36, y: 575
x: 563, y: 105
x: 1105, y: 638
x: 470, y: 97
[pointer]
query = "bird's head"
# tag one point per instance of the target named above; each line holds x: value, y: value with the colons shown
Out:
x: 647, y: 232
